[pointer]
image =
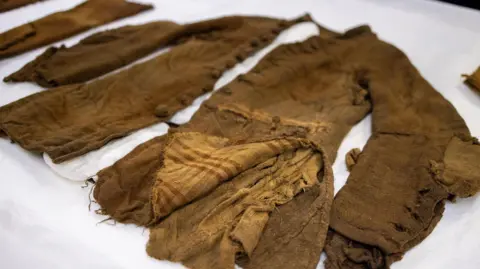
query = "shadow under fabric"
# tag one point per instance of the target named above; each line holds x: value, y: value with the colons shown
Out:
x: 60, y: 25
x: 248, y: 179
x: 68, y: 121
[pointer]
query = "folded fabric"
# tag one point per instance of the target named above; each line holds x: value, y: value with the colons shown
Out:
x: 419, y: 155
x: 473, y: 80
x: 9, y: 5
x: 389, y: 204
x: 61, y: 25
x: 257, y: 177
x: 182, y: 186
x: 69, y: 121
x: 96, y: 55
x: 344, y: 253
x: 194, y: 165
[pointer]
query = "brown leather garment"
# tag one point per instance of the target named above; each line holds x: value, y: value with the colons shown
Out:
x: 69, y: 121
x: 278, y: 99
x: 61, y: 25
x: 419, y: 155
x: 13, y: 4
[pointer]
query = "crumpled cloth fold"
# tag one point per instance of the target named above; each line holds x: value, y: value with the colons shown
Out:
x: 251, y: 180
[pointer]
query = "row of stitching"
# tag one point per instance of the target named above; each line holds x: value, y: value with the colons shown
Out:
x: 243, y: 111
x: 255, y: 44
x: 246, y: 49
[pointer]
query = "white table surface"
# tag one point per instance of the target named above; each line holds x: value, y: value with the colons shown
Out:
x: 44, y: 218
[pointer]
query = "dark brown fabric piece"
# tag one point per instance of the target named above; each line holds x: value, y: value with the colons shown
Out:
x: 69, y: 121
x: 459, y: 171
x: 419, y: 155
x: 328, y: 101
x: 96, y: 55
x: 106, y: 51
x: 473, y: 80
x: 343, y: 253
x: 7, y: 5
x: 61, y: 25
x: 134, y: 175
x: 294, y: 235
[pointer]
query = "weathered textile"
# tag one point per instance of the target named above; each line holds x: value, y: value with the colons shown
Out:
x: 194, y: 165
x: 473, y: 80
x: 316, y: 90
x: 12, y: 4
x: 209, y: 190
x: 419, y: 155
x: 61, y: 25
x: 256, y: 177
x: 148, y: 185
x: 459, y: 170
x: 106, y: 51
x: 96, y: 55
x: 69, y: 121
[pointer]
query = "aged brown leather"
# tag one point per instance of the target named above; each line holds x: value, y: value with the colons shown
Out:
x: 68, y: 121
x: 60, y: 25
x: 327, y: 101
x: 97, y: 54
x: 7, y: 5
x: 419, y: 155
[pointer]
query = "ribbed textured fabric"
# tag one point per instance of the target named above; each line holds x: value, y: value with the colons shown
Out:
x: 68, y: 121
x: 60, y: 25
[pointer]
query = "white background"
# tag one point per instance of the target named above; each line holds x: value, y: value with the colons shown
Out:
x: 44, y: 218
